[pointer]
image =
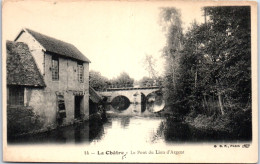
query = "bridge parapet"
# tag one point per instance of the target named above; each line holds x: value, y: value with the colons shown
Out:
x: 133, y: 94
x: 132, y: 88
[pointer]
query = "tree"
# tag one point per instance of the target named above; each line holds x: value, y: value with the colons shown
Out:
x: 208, y: 70
x: 211, y: 63
x: 150, y: 63
x: 216, y: 59
x: 171, y: 24
x: 123, y: 80
x: 233, y: 24
x: 97, y: 81
x: 146, y: 81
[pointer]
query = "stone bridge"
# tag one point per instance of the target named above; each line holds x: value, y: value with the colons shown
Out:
x: 133, y: 94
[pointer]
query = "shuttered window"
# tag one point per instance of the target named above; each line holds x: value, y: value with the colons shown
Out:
x: 16, y: 96
x: 55, y: 68
x: 80, y: 72
x: 61, y: 106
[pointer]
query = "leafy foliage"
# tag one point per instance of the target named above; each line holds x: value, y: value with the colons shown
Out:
x: 97, y: 81
x: 147, y: 81
x: 100, y: 83
x: 22, y: 120
x: 171, y: 23
x: 208, y: 70
x: 211, y: 62
x: 150, y: 66
x: 123, y: 80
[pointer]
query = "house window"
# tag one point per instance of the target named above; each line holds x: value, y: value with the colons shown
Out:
x: 80, y: 72
x: 16, y: 96
x: 55, y: 68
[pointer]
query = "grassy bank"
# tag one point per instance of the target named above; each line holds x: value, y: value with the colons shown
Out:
x: 203, y: 122
x: 238, y: 124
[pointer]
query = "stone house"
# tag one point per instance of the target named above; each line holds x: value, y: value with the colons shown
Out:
x: 48, y: 75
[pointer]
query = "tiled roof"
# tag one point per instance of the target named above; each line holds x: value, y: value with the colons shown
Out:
x: 58, y: 47
x: 94, y: 96
x: 21, y: 67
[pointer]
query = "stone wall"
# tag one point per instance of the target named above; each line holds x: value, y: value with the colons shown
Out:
x: 68, y: 83
x: 44, y: 100
x: 68, y: 75
x: 36, y: 49
x: 134, y: 96
x: 43, y: 103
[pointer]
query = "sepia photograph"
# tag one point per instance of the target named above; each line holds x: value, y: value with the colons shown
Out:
x: 128, y: 81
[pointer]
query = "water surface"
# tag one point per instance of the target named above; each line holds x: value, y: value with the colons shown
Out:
x: 130, y: 127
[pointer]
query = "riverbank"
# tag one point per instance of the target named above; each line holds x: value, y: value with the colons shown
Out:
x: 203, y: 122
x: 236, y: 124
x: 233, y: 125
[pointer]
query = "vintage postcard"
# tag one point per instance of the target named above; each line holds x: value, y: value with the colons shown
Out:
x: 129, y: 81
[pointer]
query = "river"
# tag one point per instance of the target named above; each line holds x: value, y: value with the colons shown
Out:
x: 137, y: 124
x: 123, y: 128
x: 128, y: 126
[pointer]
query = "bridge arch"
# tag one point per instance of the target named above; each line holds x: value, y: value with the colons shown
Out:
x: 150, y: 98
x: 133, y: 94
x: 120, y: 102
x: 155, y: 101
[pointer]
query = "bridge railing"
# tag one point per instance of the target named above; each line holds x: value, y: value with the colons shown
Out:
x: 133, y: 88
x: 126, y: 87
x: 120, y: 86
x: 129, y: 86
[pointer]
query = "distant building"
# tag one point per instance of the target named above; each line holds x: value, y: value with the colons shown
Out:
x: 49, y: 75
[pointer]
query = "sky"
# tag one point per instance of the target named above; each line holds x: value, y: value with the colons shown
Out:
x: 115, y: 36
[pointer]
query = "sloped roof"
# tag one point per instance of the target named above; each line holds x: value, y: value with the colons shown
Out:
x: 58, y: 47
x: 21, y: 67
x: 94, y: 96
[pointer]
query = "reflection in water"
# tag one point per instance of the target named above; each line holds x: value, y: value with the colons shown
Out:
x: 78, y: 135
x: 125, y: 131
x: 96, y: 130
x: 143, y: 102
x: 158, y: 133
x: 125, y: 122
x: 178, y: 132
x: 134, y: 110
x: 132, y: 126
x: 85, y: 132
x: 155, y: 101
x: 120, y: 103
x: 150, y: 104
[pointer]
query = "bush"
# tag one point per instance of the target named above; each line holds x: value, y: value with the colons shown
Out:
x: 22, y: 120
x: 235, y: 123
x: 241, y: 123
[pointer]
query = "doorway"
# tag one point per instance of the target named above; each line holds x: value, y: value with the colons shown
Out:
x: 78, y: 104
